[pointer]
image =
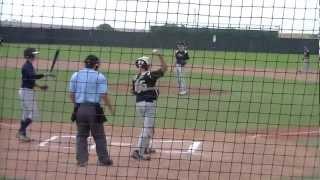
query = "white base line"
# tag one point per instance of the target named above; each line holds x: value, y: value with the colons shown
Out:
x: 45, y: 142
x: 286, y: 134
x: 191, y: 150
x: 193, y: 147
x: 120, y: 144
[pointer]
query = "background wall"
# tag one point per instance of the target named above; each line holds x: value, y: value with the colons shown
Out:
x: 229, y: 40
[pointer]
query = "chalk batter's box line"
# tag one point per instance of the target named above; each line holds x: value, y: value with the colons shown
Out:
x: 191, y: 149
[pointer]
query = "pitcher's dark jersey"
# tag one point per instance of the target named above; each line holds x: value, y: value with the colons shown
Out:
x: 182, y: 57
x: 306, y: 53
x: 143, y: 85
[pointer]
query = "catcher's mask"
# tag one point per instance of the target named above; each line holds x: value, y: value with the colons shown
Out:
x: 30, y: 53
x: 142, y: 62
x: 92, y: 62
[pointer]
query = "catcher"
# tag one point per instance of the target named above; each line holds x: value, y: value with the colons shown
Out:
x: 146, y: 92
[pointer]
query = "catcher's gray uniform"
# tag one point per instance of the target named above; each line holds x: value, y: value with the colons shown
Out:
x: 143, y: 86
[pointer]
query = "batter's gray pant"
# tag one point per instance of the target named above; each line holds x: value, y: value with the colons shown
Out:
x: 86, y: 123
x: 180, y: 78
x: 28, y: 104
x: 146, y: 111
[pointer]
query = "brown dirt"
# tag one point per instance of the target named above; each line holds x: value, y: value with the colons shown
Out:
x: 263, y: 155
x: 278, y: 74
x: 220, y: 155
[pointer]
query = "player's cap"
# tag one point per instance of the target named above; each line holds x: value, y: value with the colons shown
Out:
x: 30, y: 52
x: 142, y: 62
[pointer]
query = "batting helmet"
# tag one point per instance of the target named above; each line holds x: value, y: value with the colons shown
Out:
x: 30, y: 53
x: 142, y: 62
x: 91, y: 61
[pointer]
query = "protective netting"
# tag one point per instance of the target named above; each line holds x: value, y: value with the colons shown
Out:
x: 241, y: 102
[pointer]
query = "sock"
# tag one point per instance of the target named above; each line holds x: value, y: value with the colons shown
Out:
x: 23, y: 126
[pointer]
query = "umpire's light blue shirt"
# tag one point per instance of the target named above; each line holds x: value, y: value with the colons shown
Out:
x: 88, y: 86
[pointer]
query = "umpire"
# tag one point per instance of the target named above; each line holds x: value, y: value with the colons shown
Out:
x: 87, y: 87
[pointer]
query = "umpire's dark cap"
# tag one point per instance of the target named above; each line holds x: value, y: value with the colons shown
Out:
x: 91, y: 60
x: 30, y: 52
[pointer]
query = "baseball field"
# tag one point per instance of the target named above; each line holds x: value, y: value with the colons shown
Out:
x: 247, y: 115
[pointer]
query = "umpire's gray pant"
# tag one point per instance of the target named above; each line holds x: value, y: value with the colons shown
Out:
x: 146, y: 111
x: 28, y: 104
x: 180, y: 78
x: 86, y: 123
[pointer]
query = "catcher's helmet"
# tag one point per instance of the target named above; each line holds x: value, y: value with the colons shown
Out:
x: 142, y: 62
x: 91, y: 61
x: 30, y: 53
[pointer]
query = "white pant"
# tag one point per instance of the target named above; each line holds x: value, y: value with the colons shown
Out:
x: 180, y: 78
x: 28, y: 104
x: 146, y: 111
x: 306, y: 65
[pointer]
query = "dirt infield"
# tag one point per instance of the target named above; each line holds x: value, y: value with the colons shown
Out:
x: 279, y: 74
x: 181, y: 154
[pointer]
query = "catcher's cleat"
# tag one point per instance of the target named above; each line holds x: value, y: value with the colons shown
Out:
x: 137, y: 156
x: 23, y: 137
x: 149, y: 151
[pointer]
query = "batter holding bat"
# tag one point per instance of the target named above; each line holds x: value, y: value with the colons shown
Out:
x: 27, y: 93
x: 146, y: 92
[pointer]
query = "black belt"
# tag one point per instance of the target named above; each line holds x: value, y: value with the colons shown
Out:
x: 88, y: 104
x: 151, y: 101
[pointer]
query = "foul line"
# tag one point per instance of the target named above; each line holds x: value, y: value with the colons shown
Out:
x: 286, y: 134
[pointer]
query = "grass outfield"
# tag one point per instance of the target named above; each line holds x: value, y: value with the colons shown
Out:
x: 197, y: 57
x: 253, y: 102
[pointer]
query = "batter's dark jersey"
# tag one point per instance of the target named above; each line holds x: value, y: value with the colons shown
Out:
x: 181, y: 57
x: 29, y: 75
x: 143, y: 86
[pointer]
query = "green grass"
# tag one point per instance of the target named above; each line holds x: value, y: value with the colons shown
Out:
x: 221, y: 59
x: 254, y: 103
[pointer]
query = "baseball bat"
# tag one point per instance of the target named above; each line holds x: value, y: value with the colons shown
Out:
x: 55, y: 58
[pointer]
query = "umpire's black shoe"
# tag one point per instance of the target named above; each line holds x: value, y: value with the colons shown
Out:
x: 137, y: 156
x: 82, y: 164
x: 108, y: 162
